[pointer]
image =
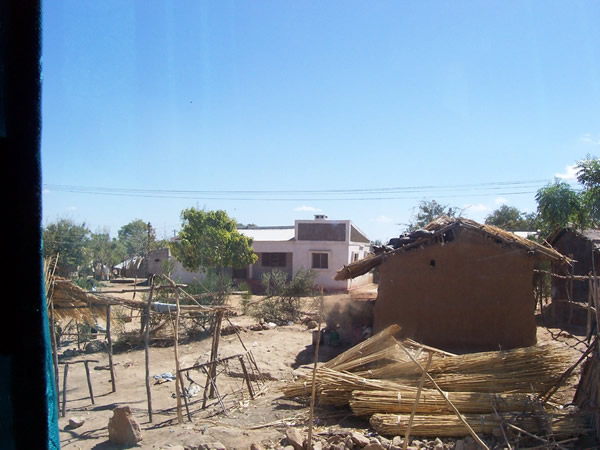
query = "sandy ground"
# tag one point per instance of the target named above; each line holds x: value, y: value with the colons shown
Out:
x: 281, y: 352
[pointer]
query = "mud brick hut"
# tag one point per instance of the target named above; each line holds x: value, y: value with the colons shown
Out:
x: 458, y: 285
x: 583, y: 247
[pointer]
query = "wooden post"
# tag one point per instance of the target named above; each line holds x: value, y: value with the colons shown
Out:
x: 178, y: 384
x: 64, y: 404
x: 78, y: 336
x: 215, y: 351
x: 588, y: 329
x: 247, y: 377
x: 185, y: 399
x: 89, y: 380
x: 314, y: 375
x: 414, y: 409
x: 146, y: 349
x: 54, y: 353
x: 110, y: 349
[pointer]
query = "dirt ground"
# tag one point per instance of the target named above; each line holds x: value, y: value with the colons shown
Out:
x: 281, y: 352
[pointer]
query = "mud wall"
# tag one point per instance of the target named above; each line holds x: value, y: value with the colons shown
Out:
x: 467, y: 295
x: 580, y: 249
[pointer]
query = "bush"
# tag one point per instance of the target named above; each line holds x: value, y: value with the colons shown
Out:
x: 282, y: 302
x: 215, y: 290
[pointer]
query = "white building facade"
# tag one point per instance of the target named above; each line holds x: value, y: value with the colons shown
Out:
x: 321, y: 245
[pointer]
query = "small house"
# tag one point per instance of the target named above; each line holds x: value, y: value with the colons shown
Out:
x: 457, y: 285
x: 583, y: 247
x: 320, y: 245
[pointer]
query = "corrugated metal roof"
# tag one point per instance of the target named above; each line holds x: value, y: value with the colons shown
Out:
x: 258, y: 234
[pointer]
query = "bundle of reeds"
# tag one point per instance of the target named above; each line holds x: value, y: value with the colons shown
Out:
x: 539, y: 358
x: 441, y: 425
x: 338, y: 385
x: 365, y: 402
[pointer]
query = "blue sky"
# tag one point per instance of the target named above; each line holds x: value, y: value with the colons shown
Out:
x: 275, y: 111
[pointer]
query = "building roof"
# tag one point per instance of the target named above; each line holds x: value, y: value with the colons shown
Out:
x: 257, y: 234
x: 590, y: 234
x: 438, y: 232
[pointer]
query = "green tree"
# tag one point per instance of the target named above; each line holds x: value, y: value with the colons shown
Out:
x: 137, y: 236
x: 209, y: 239
x: 559, y: 205
x: 512, y: 219
x: 588, y: 175
x: 104, y: 250
x: 427, y: 211
x: 68, y: 240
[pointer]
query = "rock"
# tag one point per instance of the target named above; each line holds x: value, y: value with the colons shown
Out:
x: 123, y: 429
x: 438, y: 444
x: 288, y: 447
x: 94, y: 346
x: 68, y: 353
x: 212, y: 446
x: 360, y: 439
x: 416, y: 443
x: 295, y: 438
x: 317, y: 445
x: 470, y: 443
x: 256, y: 447
x: 311, y: 324
x: 397, y: 441
x: 76, y: 422
x: 374, y: 446
x: 460, y: 445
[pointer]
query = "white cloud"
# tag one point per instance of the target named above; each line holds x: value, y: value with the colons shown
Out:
x: 72, y: 208
x: 307, y: 208
x: 587, y: 138
x: 501, y: 201
x: 382, y: 219
x: 570, y: 173
x: 477, y: 208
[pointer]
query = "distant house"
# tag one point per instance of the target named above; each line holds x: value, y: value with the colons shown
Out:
x: 156, y: 265
x: 457, y: 285
x: 321, y: 245
x: 583, y: 247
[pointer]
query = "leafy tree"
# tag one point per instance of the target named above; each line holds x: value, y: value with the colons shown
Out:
x: 209, y: 239
x: 136, y: 237
x: 512, y: 219
x: 68, y: 240
x: 588, y: 176
x: 429, y: 210
x: 104, y: 250
x: 560, y: 205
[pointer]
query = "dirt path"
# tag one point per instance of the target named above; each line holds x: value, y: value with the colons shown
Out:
x: 280, y: 352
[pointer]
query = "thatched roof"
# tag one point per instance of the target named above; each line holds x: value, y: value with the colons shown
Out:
x: 589, y: 234
x: 439, y: 232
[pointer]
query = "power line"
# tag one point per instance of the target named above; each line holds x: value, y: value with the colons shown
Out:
x: 482, y: 189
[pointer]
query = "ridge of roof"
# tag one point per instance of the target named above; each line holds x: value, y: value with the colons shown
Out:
x: 436, y: 229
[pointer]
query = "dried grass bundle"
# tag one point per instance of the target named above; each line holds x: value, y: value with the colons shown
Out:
x: 555, y: 423
x: 431, y: 402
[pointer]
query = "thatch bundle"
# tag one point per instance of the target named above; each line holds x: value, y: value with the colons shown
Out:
x: 402, y: 400
x: 72, y: 301
x: 382, y: 375
x: 441, y: 425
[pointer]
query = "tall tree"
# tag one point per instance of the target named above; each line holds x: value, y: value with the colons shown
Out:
x: 68, y: 240
x: 209, y: 239
x: 588, y: 175
x: 512, y: 219
x: 559, y: 205
x: 104, y: 250
x: 429, y: 210
x: 137, y: 237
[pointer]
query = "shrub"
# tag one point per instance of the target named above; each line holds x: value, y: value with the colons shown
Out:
x: 282, y: 302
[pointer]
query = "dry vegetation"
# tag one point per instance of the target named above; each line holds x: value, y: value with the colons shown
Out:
x: 284, y: 355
